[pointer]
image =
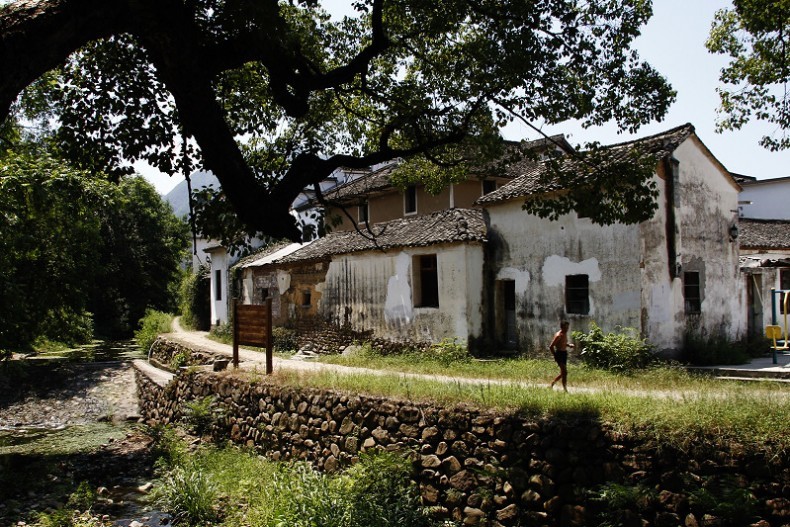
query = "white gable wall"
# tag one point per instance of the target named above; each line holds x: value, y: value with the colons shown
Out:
x: 769, y: 199
x: 708, y: 208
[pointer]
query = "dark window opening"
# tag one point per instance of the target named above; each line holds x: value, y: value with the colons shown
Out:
x: 784, y: 279
x: 691, y: 292
x: 489, y: 186
x: 306, y: 298
x: 363, y: 214
x: 577, y: 294
x: 410, y: 200
x: 264, y: 294
x: 426, y: 281
x: 218, y: 284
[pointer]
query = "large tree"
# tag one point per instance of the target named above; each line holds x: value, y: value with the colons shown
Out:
x: 274, y: 95
x: 755, y: 34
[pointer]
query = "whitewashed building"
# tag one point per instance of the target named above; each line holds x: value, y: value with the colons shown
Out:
x: 672, y: 275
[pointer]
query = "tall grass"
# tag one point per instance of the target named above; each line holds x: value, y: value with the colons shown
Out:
x: 244, y: 489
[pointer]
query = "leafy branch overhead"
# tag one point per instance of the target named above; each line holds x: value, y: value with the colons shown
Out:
x: 755, y: 35
x: 274, y: 96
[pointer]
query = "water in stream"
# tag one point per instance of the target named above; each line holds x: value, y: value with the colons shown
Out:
x: 67, y: 417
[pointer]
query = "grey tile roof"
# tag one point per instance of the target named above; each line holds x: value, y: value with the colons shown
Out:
x: 260, y: 253
x: 764, y: 234
x: 532, y: 177
x: 446, y: 226
x: 373, y: 182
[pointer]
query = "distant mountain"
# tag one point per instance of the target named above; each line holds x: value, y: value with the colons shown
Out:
x: 179, y: 196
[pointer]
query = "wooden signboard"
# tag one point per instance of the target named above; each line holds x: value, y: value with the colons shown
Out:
x: 252, y: 326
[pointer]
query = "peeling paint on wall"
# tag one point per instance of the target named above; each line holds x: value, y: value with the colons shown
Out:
x: 283, y: 281
x: 398, y: 304
x: 556, y: 268
x: 521, y: 278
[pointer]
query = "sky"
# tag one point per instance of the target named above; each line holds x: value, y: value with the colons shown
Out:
x: 673, y: 41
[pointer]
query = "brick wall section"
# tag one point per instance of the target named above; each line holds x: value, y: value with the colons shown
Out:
x: 474, y: 466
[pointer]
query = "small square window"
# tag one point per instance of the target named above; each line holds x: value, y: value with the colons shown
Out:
x: 577, y: 294
x: 692, y: 292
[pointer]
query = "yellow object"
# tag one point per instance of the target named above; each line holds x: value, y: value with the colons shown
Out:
x: 773, y: 332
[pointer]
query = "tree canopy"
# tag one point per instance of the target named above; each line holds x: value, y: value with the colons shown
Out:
x: 272, y: 96
x: 755, y: 34
x: 78, y: 253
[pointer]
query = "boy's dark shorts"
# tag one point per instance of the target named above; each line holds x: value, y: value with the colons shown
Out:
x: 561, y: 357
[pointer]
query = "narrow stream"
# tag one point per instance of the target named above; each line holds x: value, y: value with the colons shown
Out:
x: 71, y: 416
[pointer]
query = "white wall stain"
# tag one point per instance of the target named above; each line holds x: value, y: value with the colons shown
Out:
x: 556, y: 268
x: 521, y: 278
x: 283, y: 281
x: 398, y: 304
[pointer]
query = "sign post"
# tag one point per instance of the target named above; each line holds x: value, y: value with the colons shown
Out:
x: 252, y: 326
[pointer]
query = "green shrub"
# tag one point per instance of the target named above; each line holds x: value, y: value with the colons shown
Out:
x: 67, y: 326
x: 284, y: 339
x: 723, y: 498
x: 222, y: 333
x: 622, y: 352
x: 179, y: 360
x: 193, y: 294
x: 151, y: 326
x: 613, y: 502
x: 189, y: 495
x: 449, y: 351
x: 714, y: 349
x: 198, y: 415
x: 83, y: 498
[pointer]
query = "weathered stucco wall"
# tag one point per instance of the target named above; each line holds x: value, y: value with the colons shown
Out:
x: 481, y: 467
x: 376, y: 291
x: 634, y: 280
x: 708, y: 205
x: 538, y: 254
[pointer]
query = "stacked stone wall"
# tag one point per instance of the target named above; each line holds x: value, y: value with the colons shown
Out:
x: 481, y: 467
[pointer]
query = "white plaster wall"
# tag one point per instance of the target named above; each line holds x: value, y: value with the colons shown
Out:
x: 220, y: 261
x: 375, y: 291
x: 770, y: 200
x: 538, y: 254
x: 708, y: 208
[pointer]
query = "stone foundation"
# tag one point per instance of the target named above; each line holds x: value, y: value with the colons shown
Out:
x: 482, y: 467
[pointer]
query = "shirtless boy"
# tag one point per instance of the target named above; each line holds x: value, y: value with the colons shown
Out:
x: 559, y: 349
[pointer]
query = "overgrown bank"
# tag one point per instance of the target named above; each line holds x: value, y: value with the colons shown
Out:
x: 568, y: 465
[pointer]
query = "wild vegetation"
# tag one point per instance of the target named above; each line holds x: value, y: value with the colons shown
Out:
x: 79, y: 255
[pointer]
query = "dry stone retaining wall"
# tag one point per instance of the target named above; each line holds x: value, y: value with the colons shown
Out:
x: 479, y: 467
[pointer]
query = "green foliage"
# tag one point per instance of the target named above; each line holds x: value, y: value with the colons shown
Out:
x: 48, y: 237
x: 83, y: 498
x: 198, y: 415
x: 615, y: 501
x: 722, y: 497
x: 72, y: 245
x: 179, y: 360
x: 622, y: 352
x: 189, y: 495
x: 449, y: 351
x: 414, y: 79
x: 143, y: 246
x: 754, y: 35
x: 284, y: 339
x: 169, y: 450
x: 151, y: 326
x: 193, y: 299
x: 714, y: 349
x: 222, y: 333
